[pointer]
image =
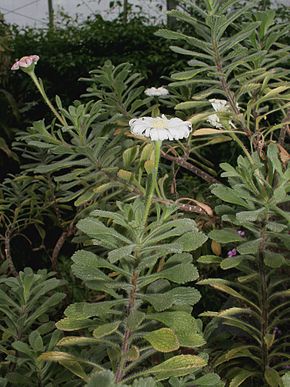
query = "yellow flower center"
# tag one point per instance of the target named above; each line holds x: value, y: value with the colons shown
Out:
x: 159, y: 123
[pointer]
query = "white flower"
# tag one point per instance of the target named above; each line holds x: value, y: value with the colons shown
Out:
x: 219, y: 105
x: 156, y: 91
x: 160, y: 128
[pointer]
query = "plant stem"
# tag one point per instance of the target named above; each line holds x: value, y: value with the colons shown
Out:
x: 9, y: 256
x: 263, y: 300
x: 125, y: 346
x: 46, y: 99
x: 153, y: 181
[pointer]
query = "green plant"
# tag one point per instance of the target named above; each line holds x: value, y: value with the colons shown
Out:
x: 255, y: 223
x: 237, y: 56
x: 26, y: 329
x: 144, y: 309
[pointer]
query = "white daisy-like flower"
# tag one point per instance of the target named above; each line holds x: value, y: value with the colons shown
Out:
x: 219, y: 105
x: 156, y: 91
x: 161, y: 128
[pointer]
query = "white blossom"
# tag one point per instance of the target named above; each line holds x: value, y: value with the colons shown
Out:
x: 160, y: 128
x: 156, y: 91
x: 219, y: 105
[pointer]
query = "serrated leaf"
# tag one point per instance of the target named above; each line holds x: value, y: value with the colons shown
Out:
x: 208, y: 259
x: 250, y: 247
x: 106, y: 329
x: 177, y: 366
x: 191, y: 241
x: 71, y: 324
x: 76, y: 340
x: 228, y: 195
x: 163, y: 340
x: 226, y: 235
x: 184, y: 326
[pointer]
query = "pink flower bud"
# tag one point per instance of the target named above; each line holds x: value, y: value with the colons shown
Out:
x: 25, y: 62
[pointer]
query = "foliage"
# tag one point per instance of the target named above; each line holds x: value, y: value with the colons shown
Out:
x: 144, y: 309
x: 256, y: 283
x: 245, y: 67
x: 26, y: 330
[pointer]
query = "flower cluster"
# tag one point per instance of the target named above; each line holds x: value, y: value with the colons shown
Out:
x: 161, y: 128
x: 232, y: 253
x: 25, y: 62
x: 156, y: 91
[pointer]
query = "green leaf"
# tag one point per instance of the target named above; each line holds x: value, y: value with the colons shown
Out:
x: 191, y: 241
x: 250, y: 247
x: 228, y: 195
x: 209, y: 380
x: 229, y: 263
x: 226, y: 235
x: 179, y: 274
x: 286, y: 379
x: 120, y: 253
x: 176, y: 296
x: 240, y: 377
x: 250, y: 216
x: 76, y: 340
x: 71, y: 324
x: 22, y: 347
x: 177, y: 366
x: 102, y: 379
x: 274, y: 260
x: 163, y: 340
x: 208, y: 259
x: 184, y: 326
x: 36, y: 341
x: 106, y: 329
x: 273, y: 378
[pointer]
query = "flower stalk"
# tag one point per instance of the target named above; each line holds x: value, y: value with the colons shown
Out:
x: 153, y: 181
x: 40, y: 88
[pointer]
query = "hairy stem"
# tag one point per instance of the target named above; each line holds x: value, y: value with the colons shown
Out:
x: 263, y: 300
x: 125, y: 346
x: 185, y: 164
x: 8, y: 255
x: 229, y: 94
x: 59, y: 244
x: 46, y: 99
x: 153, y: 181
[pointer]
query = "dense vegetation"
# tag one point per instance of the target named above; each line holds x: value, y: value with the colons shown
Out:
x: 179, y: 269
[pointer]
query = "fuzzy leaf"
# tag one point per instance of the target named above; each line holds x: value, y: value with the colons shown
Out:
x: 273, y: 378
x: 229, y: 263
x: 226, y: 235
x: 71, y: 324
x: 228, y: 195
x: 208, y: 380
x: 163, y: 340
x: 177, y: 366
x: 106, y: 329
x: 191, y: 241
x: 274, y: 260
x: 76, y: 340
x: 208, y: 259
x: 184, y: 326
